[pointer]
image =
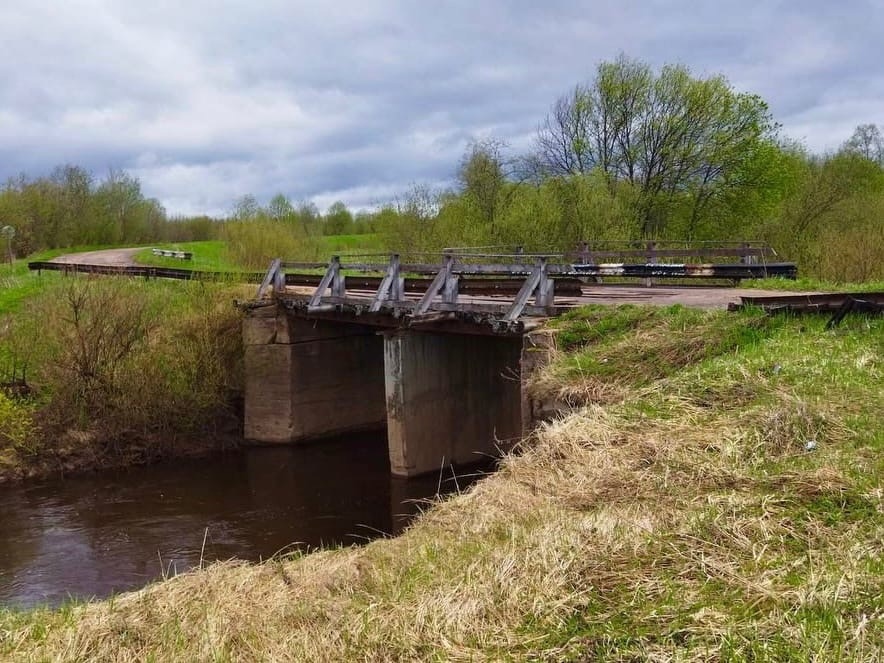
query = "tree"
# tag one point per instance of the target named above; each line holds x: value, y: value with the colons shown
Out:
x: 119, y: 201
x: 72, y: 187
x: 482, y: 178
x: 670, y: 136
x: 280, y: 208
x: 246, y: 208
x: 867, y: 142
x: 338, y: 219
x: 309, y: 216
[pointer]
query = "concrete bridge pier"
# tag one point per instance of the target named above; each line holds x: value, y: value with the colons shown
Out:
x: 449, y: 398
x: 445, y: 398
x: 306, y: 379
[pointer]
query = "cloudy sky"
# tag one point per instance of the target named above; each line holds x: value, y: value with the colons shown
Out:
x: 357, y: 100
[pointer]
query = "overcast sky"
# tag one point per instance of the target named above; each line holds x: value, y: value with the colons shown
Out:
x: 357, y: 100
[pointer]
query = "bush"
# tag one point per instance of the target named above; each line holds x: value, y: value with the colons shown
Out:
x: 253, y: 244
x: 132, y: 361
x: 17, y: 428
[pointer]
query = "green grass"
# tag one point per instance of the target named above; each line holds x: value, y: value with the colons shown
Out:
x: 18, y: 283
x: 207, y: 255
x: 213, y: 255
x: 330, y: 244
x: 637, y: 345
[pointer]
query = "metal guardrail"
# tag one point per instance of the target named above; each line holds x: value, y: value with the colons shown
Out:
x: 169, y: 253
x: 145, y: 271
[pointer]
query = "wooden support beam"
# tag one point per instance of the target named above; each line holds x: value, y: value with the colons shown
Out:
x: 333, y: 271
x: 449, y: 295
x: 436, y: 287
x: 545, y: 293
x: 268, y: 277
x: 391, y: 287
x: 537, y: 276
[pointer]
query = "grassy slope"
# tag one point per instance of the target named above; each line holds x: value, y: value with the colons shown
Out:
x: 329, y: 244
x: 18, y: 284
x: 723, y: 502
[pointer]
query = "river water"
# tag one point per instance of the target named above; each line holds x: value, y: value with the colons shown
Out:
x: 100, y: 534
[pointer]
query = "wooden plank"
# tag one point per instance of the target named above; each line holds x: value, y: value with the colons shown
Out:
x: 590, y: 255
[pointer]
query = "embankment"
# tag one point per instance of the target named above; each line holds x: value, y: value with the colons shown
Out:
x: 715, y: 494
x: 106, y: 372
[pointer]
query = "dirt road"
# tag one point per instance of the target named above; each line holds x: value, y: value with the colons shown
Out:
x: 105, y: 257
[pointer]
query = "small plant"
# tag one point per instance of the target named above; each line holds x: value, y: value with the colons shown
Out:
x: 17, y: 429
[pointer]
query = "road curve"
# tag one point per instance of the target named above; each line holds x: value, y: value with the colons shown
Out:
x: 124, y: 257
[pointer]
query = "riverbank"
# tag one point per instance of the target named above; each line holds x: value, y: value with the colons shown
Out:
x: 79, y: 452
x: 716, y: 494
x: 101, y: 372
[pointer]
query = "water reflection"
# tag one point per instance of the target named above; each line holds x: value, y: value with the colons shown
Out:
x: 101, y: 534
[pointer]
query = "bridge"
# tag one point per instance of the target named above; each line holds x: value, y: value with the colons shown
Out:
x: 437, y: 348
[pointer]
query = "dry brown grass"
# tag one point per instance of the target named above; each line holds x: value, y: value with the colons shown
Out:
x: 598, y: 510
x: 660, y: 528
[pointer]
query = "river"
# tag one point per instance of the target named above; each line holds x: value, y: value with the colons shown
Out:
x: 95, y: 535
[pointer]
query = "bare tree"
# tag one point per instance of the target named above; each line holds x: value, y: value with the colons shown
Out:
x: 867, y: 142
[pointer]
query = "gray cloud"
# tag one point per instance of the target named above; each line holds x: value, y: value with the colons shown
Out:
x: 356, y: 100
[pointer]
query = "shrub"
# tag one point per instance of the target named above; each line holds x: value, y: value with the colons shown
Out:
x: 17, y: 428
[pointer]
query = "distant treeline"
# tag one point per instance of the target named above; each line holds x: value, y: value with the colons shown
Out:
x: 71, y: 207
x: 632, y: 154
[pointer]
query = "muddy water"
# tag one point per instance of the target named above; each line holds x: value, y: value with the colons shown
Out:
x: 101, y: 534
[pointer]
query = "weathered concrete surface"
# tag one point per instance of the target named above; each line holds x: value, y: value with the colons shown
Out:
x: 450, y: 398
x: 307, y: 379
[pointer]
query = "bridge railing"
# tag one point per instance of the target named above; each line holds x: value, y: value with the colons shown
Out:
x: 441, y: 293
x: 530, y: 280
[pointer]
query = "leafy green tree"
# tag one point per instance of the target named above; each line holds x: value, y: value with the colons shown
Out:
x: 672, y: 137
x: 338, y: 219
x: 482, y: 179
x: 119, y: 203
x: 281, y: 209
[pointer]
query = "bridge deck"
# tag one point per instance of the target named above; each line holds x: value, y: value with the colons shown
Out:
x: 483, y: 313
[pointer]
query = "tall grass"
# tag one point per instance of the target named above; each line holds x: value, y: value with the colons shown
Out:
x: 253, y: 244
x: 688, y: 518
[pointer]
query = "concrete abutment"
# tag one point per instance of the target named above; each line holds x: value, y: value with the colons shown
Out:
x: 445, y: 398
x: 308, y: 379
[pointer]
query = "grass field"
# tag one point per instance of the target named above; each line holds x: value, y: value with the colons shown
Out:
x: 714, y: 493
x: 208, y: 255
x: 18, y: 283
x: 213, y: 255
x: 330, y: 244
